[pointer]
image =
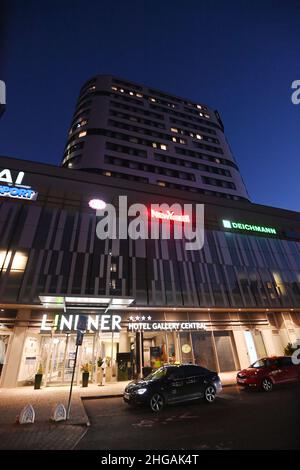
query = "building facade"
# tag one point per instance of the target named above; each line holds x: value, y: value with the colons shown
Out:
x: 236, y: 299
x: 130, y: 131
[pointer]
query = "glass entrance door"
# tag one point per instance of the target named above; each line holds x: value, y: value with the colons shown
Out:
x: 4, y: 339
x: 252, y: 354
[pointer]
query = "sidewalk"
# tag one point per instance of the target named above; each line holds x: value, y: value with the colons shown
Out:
x: 12, y: 400
x: 44, y: 434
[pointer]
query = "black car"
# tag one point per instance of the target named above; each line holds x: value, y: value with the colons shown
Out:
x: 173, y: 384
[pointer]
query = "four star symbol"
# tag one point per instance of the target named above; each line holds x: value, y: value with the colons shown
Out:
x: 142, y: 318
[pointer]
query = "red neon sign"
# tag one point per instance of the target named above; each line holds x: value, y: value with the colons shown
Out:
x: 169, y: 215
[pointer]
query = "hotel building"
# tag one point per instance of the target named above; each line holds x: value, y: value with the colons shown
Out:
x: 149, y: 301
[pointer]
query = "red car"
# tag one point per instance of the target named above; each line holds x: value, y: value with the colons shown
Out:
x: 269, y: 371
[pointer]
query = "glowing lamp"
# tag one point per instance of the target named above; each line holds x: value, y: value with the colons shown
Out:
x: 97, y: 204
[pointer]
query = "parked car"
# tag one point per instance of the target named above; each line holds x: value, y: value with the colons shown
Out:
x: 173, y: 384
x: 269, y: 371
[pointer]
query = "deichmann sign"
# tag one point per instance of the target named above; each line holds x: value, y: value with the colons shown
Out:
x: 248, y: 227
x: 15, y: 189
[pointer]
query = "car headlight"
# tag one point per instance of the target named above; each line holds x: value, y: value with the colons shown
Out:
x: 141, y: 391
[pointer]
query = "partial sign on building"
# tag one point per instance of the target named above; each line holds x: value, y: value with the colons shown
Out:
x: 11, y: 185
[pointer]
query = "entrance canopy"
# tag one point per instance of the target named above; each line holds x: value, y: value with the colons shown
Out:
x: 86, y: 302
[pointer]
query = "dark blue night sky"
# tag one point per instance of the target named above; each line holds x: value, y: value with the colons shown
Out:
x: 237, y: 56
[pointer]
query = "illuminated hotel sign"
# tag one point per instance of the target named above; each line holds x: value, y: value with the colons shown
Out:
x: 229, y: 224
x: 169, y: 215
x: 137, y: 325
x: 14, y: 188
x: 105, y: 322
x: 69, y: 323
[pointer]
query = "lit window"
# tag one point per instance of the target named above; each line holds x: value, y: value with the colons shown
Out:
x: 82, y: 134
x: 18, y: 263
x: 163, y: 147
x: 173, y: 129
x: 200, y: 114
x: 199, y: 136
x: 161, y: 183
x: 207, y: 116
x: 107, y: 173
x: 139, y: 95
x: 153, y: 99
x: 121, y: 90
x: 113, y: 267
x: 174, y: 139
x: 114, y: 88
x: 131, y: 93
x: 199, y: 106
x: 113, y: 284
x: 191, y: 134
x: 70, y: 165
x: 154, y: 145
x: 182, y: 141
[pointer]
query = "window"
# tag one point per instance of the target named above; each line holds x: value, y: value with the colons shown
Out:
x: 112, y: 284
x: 175, y: 373
x: 163, y: 147
x: 113, y: 267
x: 285, y: 361
x: 198, y: 136
x: 107, y: 173
x: 161, y: 183
x: 18, y: 263
x: 82, y: 134
x: 173, y: 129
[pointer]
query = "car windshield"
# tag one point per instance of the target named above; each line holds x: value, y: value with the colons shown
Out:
x: 157, y: 374
x: 258, y: 364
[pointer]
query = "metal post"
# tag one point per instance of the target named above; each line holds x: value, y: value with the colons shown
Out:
x: 71, y: 387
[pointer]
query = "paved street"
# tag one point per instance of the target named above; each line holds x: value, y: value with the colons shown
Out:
x: 237, y: 420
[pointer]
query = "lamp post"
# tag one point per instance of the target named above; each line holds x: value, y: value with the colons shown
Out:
x: 81, y: 329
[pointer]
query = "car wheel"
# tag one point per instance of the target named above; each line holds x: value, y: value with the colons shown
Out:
x: 209, y: 394
x: 267, y: 385
x: 156, y: 402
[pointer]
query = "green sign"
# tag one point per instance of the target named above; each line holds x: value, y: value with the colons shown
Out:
x: 248, y: 227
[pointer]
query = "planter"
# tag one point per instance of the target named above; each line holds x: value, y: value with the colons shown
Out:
x: 85, y: 379
x: 108, y: 374
x: 38, y: 381
x: 99, y: 377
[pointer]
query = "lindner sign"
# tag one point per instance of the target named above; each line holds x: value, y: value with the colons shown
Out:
x: 13, y: 187
x: 71, y: 323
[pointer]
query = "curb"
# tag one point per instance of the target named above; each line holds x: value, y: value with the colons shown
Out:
x: 94, y: 397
